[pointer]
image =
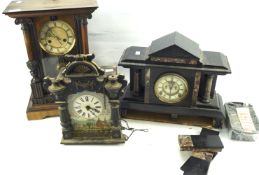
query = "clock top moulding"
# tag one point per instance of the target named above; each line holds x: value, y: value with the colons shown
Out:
x: 31, y: 15
x: 32, y: 8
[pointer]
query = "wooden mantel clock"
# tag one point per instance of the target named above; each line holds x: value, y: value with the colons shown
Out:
x: 173, y: 76
x: 88, y: 101
x: 51, y: 28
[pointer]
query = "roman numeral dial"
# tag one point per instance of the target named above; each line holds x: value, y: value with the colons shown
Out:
x: 87, y: 106
x: 171, y: 88
x: 57, y: 37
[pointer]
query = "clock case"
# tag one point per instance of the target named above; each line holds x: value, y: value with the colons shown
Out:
x: 78, y: 73
x: 174, y: 53
x: 32, y: 15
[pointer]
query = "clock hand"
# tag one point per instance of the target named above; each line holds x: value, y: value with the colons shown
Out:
x: 170, y: 90
x: 55, y: 33
x: 170, y: 84
x: 55, y: 36
x: 92, y: 112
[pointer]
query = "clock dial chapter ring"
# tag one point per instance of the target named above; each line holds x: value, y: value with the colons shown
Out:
x: 171, y: 88
x: 57, y: 37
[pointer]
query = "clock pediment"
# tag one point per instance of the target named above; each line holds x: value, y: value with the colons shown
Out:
x: 80, y: 66
x: 173, y: 51
x: 175, y: 46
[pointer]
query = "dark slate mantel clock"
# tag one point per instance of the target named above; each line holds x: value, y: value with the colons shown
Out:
x: 51, y: 28
x: 88, y: 101
x: 174, y: 76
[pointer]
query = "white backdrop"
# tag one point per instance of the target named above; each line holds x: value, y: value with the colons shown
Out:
x: 32, y: 147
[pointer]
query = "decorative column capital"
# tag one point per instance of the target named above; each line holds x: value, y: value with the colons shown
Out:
x: 23, y: 21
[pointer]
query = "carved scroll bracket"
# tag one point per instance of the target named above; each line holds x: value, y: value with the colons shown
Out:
x: 33, y: 66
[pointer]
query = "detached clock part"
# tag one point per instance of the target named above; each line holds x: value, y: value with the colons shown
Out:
x: 88, y: 101
x: 242, y: 121
x: 204, y: 148
x: 174, y: 76
x: 51, y: 28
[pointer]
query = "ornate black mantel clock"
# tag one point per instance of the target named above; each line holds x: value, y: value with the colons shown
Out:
x: 51, y: 28
x: 173, y: 76
x: 88, y: 101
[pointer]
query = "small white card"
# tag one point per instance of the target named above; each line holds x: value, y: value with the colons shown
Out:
x: 137, y: 53
x: 246, y: 120
x: 108, y: 70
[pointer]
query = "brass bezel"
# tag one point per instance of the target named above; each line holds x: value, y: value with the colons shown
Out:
x: 178, y: 99
x: 71, y: 46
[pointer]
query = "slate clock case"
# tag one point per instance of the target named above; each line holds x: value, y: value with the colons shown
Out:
x: 51, y: 29
x: 88, y: 101
x: 174, y: 76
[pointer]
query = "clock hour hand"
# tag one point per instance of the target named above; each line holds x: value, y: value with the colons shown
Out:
x: 55, y: 33
x: 170, y: 84
x: 55, y: 36
x: 92, y: 110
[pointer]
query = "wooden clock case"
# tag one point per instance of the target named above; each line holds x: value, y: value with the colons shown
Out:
x: 174, y: 53
x: 78, y: 73
x: 32, y: 15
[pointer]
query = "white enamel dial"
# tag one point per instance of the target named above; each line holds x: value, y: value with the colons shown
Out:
x: 87, y: 106
x: 171, y: 88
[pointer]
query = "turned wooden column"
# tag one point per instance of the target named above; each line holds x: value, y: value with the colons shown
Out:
x: 33, y: 62
x: 82, y: 34
x: 27, y: 36
x: 208, y: 86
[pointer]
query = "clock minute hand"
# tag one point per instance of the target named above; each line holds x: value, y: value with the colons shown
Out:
x: 55, y: 33
x: 92, y: 111
x: 55, y: 36
x: 170, y: 83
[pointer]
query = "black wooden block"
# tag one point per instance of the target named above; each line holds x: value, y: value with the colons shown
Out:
x: 195, y: 166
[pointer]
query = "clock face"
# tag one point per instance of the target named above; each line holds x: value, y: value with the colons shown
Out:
x: 87, y: 106
x: 90, y: 107
x: 171, y: 88
x: 57, y: 37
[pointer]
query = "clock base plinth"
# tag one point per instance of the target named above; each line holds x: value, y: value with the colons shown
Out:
x: 41, y: 111
x: 212, y: 113
x: 167, y: 118
x: 80, y: 141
